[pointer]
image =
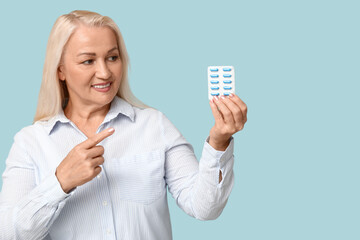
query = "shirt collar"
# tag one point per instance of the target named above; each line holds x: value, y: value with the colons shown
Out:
x: 118, y: 106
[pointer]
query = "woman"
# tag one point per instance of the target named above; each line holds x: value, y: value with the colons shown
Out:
x: 96, y: 162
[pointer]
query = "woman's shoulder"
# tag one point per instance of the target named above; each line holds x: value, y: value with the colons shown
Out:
x: 147, y: 112
x: 154, y: 118
x: 33, y: 131
x: 150, y: 114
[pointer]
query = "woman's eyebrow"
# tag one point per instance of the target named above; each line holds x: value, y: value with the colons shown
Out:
x: 94, y: 54
x: 114, y: 48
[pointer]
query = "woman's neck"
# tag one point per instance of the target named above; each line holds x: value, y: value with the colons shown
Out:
x: 86, y: 116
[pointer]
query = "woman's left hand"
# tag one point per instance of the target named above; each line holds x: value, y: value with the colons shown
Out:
x: 230, y: 117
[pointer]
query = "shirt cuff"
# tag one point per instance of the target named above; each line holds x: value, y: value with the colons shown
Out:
x: 52, y: 192
x: 212, y: 161
x: 218, y: 158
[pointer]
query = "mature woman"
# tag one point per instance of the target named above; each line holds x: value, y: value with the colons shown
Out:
x: 96, y: 162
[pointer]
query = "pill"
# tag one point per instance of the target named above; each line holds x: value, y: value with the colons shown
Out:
x: 214, y: 81
x: 214, y: 88
x: 226, y: 94
x: 227, y: 75
x: 227, y: 88
x: 226, y: 69
x: 214, y: 94
x: 227, y: 81
x: 214, y: 75
x: 214, y: 69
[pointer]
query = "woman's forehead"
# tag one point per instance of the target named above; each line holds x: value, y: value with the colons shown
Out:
x: 91, y: 39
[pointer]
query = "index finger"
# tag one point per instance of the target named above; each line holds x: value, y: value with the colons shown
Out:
x: 94, y: 140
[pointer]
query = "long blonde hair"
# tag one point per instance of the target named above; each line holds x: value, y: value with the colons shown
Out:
x: 53, y: 94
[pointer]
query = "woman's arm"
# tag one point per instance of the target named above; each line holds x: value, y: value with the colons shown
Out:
x: 202, y: 188
x: 230, y: 116
x: 195, y: 185
x: 27, y: 210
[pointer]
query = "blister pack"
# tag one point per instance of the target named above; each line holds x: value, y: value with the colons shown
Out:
x: 221, y: 81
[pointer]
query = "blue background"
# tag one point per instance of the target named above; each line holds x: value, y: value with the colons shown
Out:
x: 297, y: 68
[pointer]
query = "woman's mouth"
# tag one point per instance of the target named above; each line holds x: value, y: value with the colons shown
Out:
x: 104, y: 87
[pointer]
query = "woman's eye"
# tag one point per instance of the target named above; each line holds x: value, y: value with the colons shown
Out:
x: 87, y: 62
x: 113, y: 58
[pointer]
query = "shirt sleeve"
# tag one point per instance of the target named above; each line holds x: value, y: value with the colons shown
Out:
x: 27, y: 209
x: 195, y: 185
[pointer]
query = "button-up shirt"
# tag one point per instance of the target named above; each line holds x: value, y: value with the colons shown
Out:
x: 128, y: 199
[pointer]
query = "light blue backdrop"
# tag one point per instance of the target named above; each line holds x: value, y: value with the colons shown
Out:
x: 297, y: 68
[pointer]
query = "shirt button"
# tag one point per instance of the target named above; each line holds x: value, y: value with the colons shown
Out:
x: 105, y: 203
x: 108, y: 231
x: 98, y: 176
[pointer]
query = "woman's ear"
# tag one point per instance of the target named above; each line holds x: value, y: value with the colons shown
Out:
x: 61, y: 73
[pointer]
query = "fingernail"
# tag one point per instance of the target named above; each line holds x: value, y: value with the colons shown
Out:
x: 216, y: 98
x: 231, y: 95
x: 111, y: 130
x: 222, y: 97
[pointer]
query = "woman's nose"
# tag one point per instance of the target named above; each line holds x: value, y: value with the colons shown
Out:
x: 102, y: 70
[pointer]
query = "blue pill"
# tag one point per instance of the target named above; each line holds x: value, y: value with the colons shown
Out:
x: 214, y: 81
x: 214, y: 69
x: 227, y: 75
x: 227, y: 81
x: 227, y: 88
x: 226, y: 94
x: 226, y: 69
x: 214, y: 94
x: 214, y: 75
x: 214, y: 88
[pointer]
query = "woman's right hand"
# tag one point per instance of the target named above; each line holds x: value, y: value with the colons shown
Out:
x: 82, y: 162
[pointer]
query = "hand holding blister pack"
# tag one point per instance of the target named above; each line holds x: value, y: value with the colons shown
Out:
x: 221, y: 81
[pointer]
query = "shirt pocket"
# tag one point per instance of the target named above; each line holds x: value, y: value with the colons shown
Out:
x: 137, y: 178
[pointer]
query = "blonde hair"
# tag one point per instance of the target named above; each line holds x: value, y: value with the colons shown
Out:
x: 53, y: 95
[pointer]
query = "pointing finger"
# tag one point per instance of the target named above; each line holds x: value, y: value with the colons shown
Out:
x: 94, y: 140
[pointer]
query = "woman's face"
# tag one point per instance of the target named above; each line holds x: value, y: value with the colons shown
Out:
x: 91, y: 66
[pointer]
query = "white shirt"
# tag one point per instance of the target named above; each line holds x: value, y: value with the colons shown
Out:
x: 127, y: 200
